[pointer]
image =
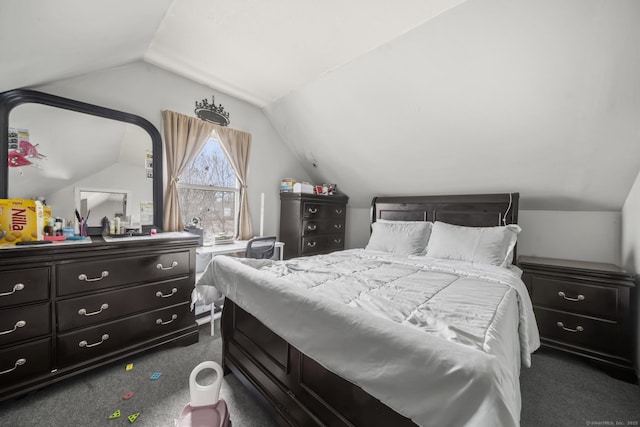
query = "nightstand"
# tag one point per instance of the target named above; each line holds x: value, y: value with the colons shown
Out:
x: 583, y: 308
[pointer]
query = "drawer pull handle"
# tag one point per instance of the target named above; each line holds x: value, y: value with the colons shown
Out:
x: 19, y: 324
x: 313, y: 210
x: 159, y: 294
x: 577, y: 329
x: 337, y: 226
x: 83, y: 311
x: 563, y: 295
x: 312, y: 227
x: 94, y: 279
x: 338, y: 211
x: 83, y: 343
x: 312, y: 244
x: 162, y: 267
x: 16, y: 287
x: 19, y: 362
x: 160, y: 322
x: 337, y: 241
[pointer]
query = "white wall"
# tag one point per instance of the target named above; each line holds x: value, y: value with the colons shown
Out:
x: 631, y: 249
x: 540, y: 97
x: 585, y: 236
x: 146, y: 90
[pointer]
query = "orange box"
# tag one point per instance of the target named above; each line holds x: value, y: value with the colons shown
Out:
x: 48, y: 213
x: 21, y: 220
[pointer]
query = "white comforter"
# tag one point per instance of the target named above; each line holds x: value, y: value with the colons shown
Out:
x: 437, y: 341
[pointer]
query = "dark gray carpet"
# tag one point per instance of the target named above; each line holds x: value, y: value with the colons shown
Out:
x: 89, y: 399
x: 559, y: 390
x: 565, y: 390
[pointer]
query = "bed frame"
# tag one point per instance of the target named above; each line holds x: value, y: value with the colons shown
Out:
x: 293, y: 387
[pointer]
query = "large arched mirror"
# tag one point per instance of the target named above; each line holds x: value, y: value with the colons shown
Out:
x: 81, y: 156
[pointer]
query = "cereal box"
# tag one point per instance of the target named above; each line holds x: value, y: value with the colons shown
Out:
x: 21, y: 220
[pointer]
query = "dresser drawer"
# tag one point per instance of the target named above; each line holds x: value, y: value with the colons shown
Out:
x: 580, y: 331
x: 580, y: 298
x: 17, y: 324
x: 24, y: 361
x: 314, y: 210
x: 322, y: 244
x: 84, y: 311
x: 22, y: 286
x: 98, y: 341
x: 315, y: 228
x: 89, y: 276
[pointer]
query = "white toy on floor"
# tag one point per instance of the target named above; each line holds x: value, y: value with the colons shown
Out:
x: 206, y: 409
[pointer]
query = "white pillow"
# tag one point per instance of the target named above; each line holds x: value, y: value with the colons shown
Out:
x: 400, y: 237
x: 484, y: 245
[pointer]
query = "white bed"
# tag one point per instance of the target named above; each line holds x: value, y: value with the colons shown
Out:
x: 439, y: 340
x: 477, y: 318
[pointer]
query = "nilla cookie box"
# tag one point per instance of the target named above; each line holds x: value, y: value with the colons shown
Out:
x: 21, y: 220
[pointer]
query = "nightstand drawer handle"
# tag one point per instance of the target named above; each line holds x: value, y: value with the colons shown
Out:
x: 160, y: 322
x: 162, y: 267
x: 83, y: 311
x: 19, y: 362
x: 83, y: 343
x: 313, y: 210
x: 563, y: 295
x: 337, y: 241
x: 338, y: 211
x: 95, y: 279
x: 159, y: 294
x: 16, y: 287
x: 337, y: 226
x: 577, y: 329
x: 312, y: 244
x: 312, y: 227
x: 19, y: 324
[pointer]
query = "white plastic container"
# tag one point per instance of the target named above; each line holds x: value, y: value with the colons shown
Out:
x: 206, y: 409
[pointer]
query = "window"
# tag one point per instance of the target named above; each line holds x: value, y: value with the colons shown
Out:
x: 208, y: 190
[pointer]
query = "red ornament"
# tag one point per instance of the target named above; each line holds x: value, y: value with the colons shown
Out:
x: 16, y: 159
x: 29, y: 150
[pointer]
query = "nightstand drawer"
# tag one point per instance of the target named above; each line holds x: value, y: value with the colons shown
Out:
x: 580, y: 331
x: 580, y: 298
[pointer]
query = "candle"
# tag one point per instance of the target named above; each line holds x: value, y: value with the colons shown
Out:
x: 261, y: 214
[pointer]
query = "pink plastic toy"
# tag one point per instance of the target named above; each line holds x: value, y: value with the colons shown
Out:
x: 205, y: 408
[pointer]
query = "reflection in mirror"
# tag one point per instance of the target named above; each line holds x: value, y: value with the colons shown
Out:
x: 83, y: 151
x: 95, y: 204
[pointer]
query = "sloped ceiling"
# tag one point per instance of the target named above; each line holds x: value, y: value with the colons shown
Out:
x: 540, y: 97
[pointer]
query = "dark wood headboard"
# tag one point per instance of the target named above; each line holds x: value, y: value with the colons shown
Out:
x: 473, y: 210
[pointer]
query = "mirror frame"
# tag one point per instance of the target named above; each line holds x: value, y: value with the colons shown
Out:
x: 13, y: 98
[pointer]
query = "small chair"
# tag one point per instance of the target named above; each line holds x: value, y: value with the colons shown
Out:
x: 261, y: 247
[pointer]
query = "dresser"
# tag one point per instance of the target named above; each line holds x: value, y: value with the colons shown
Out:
x: 65, y: 308
x: 312, y: 224
x: 583, y: 308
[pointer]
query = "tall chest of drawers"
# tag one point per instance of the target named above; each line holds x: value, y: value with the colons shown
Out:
x: 312, y: 224
x: 67, y: 308
x: 583, y: 308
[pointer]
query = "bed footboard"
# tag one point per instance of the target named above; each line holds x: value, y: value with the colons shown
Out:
x: 293, y: 387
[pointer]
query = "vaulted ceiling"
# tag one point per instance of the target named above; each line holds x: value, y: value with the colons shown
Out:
x: 412, y: 97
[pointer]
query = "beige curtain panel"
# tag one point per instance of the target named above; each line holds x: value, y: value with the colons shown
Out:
x: 236, y: 145
x: 184, y: 137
